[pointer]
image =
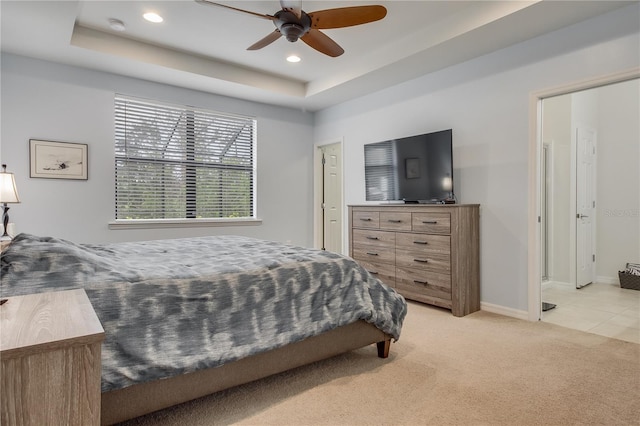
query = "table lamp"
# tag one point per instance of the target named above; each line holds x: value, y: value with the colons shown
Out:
x: 8, y: 194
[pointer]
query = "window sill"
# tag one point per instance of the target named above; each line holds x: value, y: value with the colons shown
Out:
x: 180, y: 223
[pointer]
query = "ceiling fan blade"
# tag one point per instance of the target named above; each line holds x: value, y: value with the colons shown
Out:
x: 294, y: 6
x: 259, y: 15
x: 270, y: 38
x: 346, y: 16
x: 322, y: 43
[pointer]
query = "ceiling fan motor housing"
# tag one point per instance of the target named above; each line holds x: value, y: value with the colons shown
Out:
x: 291, y: 26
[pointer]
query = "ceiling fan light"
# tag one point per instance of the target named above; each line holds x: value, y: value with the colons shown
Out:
x: 293, y: 58
x: 292, y: 32
x: 153, y: 17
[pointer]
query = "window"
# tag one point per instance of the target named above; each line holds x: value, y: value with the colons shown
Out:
x: 178, y: 162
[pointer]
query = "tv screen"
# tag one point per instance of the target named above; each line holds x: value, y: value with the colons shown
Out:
x: 415, y: 169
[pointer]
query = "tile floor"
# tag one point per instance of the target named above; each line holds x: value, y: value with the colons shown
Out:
x: 604, y: 309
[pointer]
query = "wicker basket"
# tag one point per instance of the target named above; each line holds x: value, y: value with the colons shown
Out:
x: 628, y: 280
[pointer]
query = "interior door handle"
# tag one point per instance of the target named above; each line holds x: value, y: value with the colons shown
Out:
x: 581, y: 216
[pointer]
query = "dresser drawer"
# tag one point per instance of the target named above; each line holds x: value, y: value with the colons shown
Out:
x: 433, y: 223
x: 374, y: 254
x: 374, y: 238
x: 365, y: 219
x: 395, y: 221
x: 419, y: 259
x: 424, y: 282
x: 425, y: 242
x: 385, y: 272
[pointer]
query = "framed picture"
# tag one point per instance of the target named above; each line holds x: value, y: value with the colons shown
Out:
x: 58, y: 160
x: 412, y: 167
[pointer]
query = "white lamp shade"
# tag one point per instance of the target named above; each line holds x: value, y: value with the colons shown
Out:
x: 8, y: 191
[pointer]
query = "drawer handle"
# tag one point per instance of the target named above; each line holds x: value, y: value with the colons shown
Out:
x: 421, y: 242
x: 372, y: 254
x: 421, y: 282
x: 373, y: 238
x: 394, y: 220
x: 366, y: 219
x: 430, y: 222
x: 421, y: 260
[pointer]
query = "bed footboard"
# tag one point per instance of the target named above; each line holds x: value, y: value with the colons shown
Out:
x: 144, y: 398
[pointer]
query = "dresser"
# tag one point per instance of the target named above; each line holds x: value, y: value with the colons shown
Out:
x: 428, y: 253
x: 50, y: 351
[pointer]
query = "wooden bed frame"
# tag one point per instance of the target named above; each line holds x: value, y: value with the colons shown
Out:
x: 144, y: 398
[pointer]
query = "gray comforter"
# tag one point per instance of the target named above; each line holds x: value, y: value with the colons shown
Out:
x: 175, y: 306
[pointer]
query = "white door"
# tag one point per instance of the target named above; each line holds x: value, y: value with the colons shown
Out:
x: 585, y: 206
x: 332, y: 197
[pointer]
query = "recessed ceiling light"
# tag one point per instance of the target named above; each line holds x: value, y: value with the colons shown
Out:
x: 153, y: 17
x: 293, y: 58
x: 116, y: 24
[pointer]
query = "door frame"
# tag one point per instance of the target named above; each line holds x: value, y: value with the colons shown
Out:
x: 546, y: 248
x: 534, y: 174
x: 317, y: 193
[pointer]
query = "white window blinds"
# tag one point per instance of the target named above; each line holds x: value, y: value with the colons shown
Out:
x: 178, y: 162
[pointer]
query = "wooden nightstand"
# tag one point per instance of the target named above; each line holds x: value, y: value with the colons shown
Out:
x: 50, y: 360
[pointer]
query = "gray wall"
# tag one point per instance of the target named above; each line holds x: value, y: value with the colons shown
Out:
x: 486, y: 103
x: 556, y: 133
x: 44, y: 100
x: 618, y: 186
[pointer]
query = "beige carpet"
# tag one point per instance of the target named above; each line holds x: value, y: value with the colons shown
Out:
x: 483, y: 369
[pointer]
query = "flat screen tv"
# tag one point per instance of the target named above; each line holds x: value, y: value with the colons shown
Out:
x: 415, y: 169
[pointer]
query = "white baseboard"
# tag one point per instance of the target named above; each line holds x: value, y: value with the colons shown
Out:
x: 607, y: 280
x: 602, y: 280
x: 503, y: 310
x: 546, y: 284
x: 550, y: 283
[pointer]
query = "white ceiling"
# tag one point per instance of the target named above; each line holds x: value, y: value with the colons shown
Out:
x: 204, y: 47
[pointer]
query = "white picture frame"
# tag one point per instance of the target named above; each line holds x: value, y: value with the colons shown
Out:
x: 58, y: 160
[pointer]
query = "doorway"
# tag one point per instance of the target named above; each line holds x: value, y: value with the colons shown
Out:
x: 329, y: 197
x: 602, y: 154
x: 567, y: 188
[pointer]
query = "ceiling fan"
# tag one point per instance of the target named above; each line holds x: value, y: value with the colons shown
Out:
x: 294, y: 23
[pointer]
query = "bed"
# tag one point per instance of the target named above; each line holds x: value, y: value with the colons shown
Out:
x: 188, y: 317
